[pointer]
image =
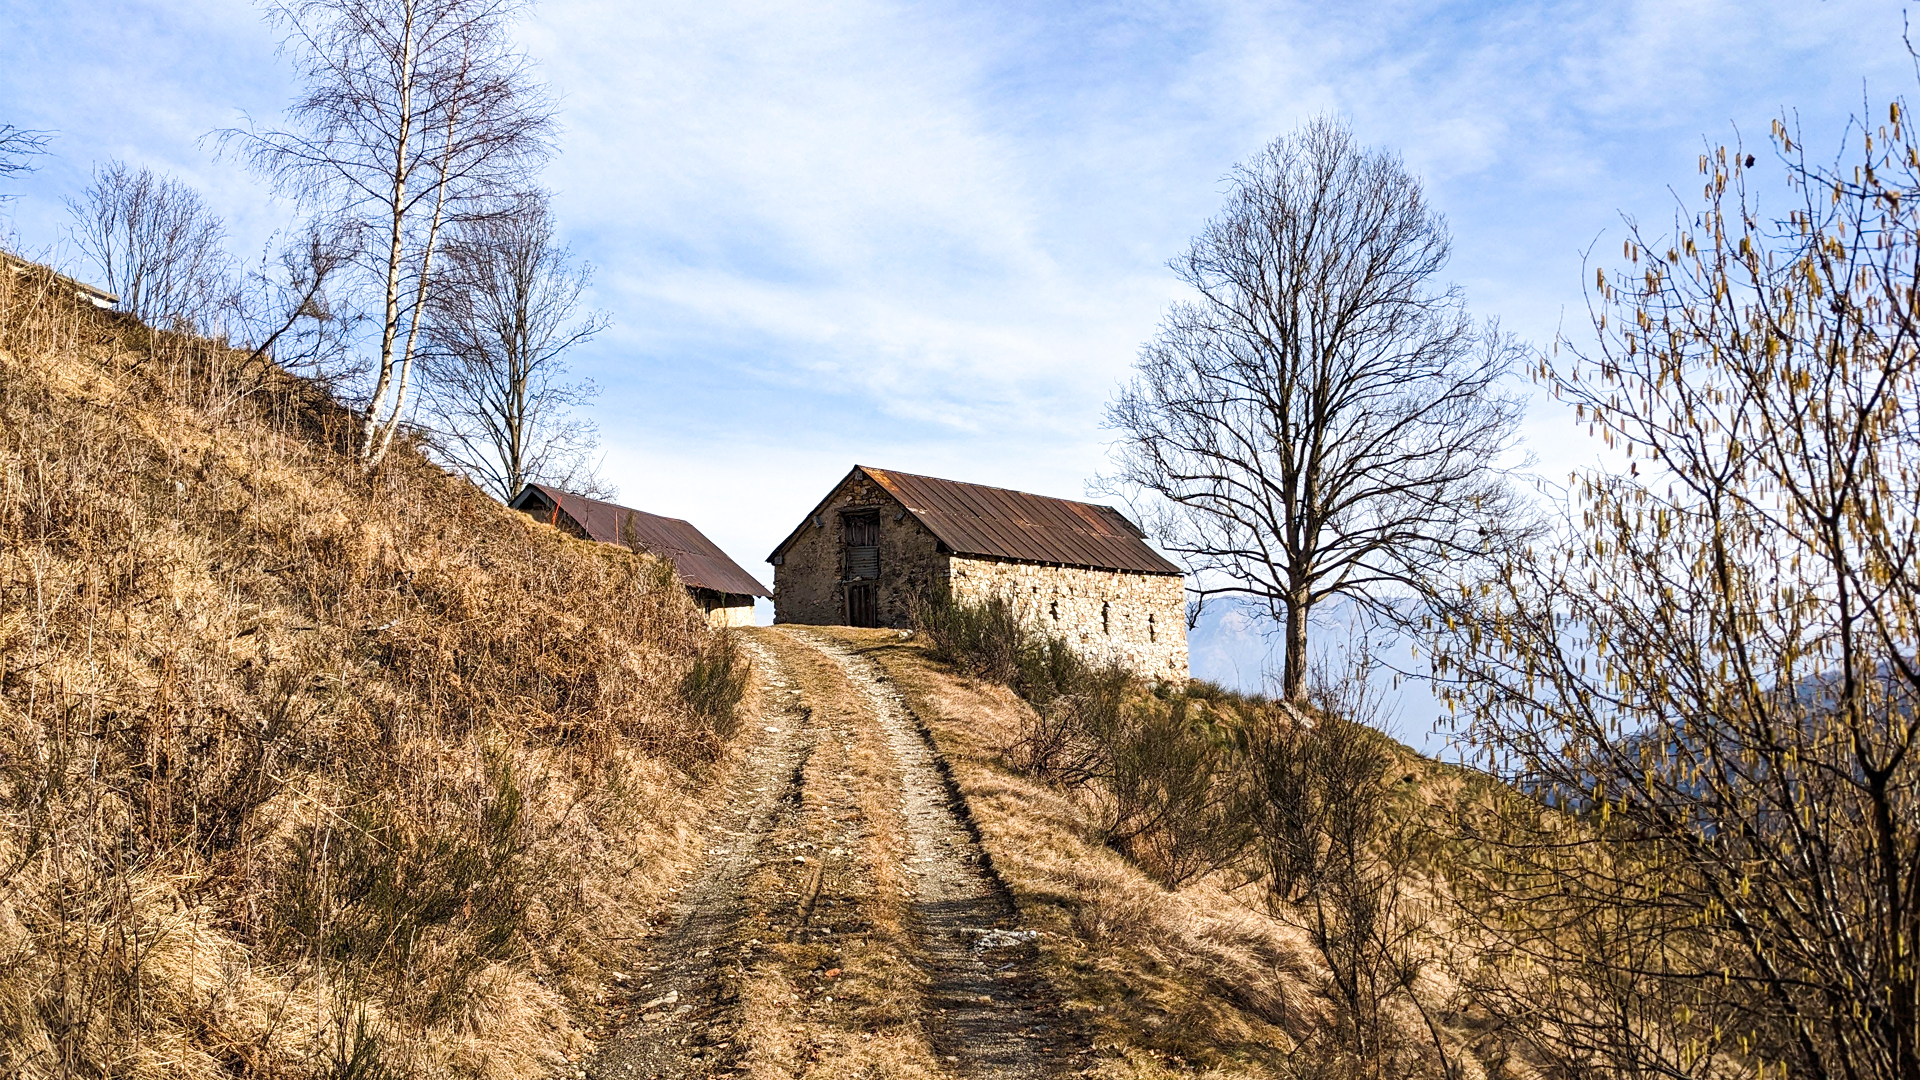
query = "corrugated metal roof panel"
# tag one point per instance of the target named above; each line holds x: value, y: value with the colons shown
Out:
x: 695, y: 558
x: 972, y: 519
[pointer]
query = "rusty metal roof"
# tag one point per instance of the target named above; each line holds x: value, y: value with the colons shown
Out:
x: 696, y: 559
x: 972, y: 519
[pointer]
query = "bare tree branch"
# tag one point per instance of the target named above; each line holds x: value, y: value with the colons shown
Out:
x: 293, y: 310
x: 18, y: 147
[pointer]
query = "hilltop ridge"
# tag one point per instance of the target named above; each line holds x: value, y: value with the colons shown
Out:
x: 307, y: 771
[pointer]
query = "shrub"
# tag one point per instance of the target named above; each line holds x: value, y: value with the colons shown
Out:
x: 1156, y: 761
x: 988, y: 639
x: 1179, y: 804
x: 418, y: 907
x: 716, y: 683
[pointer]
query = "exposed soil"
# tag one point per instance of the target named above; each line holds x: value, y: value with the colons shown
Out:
x: 987, y: 1012
x: 846, y: 922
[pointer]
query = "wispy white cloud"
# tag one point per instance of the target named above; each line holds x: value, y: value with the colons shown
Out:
x: 932, y: 234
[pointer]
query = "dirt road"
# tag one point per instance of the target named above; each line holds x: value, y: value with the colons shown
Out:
x: 846, y: 922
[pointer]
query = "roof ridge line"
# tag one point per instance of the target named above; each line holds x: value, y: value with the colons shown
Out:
x: 988, y: 487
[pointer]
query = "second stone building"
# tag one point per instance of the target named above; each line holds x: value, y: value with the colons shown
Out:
x: 1072, y: 569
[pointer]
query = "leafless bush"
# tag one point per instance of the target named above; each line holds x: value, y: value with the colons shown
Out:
x: 1338, y: 855
x: 156, y: 245
x: 1078, y: 711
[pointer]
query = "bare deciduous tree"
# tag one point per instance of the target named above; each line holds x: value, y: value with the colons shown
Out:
x: 416, y: 114
x: 157, y: 246
x: 1712, y: 686
x: 499, y: 330
x: 1324, y: 420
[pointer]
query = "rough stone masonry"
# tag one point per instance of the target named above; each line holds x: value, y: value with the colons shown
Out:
x: 1075, y: 570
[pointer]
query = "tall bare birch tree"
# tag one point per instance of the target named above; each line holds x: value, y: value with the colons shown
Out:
x: 1715, y: 679
x: 416, y: 114
x: 1323, y: 419
x: 499, y: 332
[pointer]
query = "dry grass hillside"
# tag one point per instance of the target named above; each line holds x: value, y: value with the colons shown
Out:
x: 1207, y: 975
x: 308, y: 773
x: 305, y: 773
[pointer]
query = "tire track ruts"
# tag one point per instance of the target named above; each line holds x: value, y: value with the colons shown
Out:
x: 987, y: 1013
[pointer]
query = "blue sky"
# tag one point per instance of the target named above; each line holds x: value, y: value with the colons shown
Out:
x: 931, y: 236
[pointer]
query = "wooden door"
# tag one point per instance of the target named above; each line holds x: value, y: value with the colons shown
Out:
x: 862, y: 533
x: 863, y: 608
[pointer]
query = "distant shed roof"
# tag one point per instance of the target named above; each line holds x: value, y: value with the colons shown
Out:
x: 696, y: 559
x: 93, y: 294
x: 973, y: 519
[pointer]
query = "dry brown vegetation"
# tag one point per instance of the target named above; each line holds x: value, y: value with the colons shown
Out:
x: 1204, y: 977
x: 305, y: 772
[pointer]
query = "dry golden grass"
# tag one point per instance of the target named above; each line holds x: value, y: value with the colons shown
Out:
x: 850, y: 783
x: 305, y: 773
x: 1143, y: 966
x: 1199, y: 980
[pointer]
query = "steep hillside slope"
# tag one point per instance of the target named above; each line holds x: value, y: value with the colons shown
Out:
x: 302, y: 772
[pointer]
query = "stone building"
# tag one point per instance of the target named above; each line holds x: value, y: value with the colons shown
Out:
x: 1074, y: 569
x: 723, y: 590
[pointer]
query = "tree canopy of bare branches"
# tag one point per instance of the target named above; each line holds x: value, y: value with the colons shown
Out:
x: 18, y: 147
x: 156, y: 244
x: 415, y: 115
x: 499, y: 330
x: 1323, y: 419
x: 1714, y: 679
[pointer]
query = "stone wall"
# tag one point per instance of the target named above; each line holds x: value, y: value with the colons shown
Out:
x: 809, y: 582
x: 1139, y: 620
x: 724, y: 609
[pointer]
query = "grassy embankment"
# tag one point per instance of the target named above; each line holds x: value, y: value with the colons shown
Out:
x: 303, y: 772
x: 1153, y: 889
